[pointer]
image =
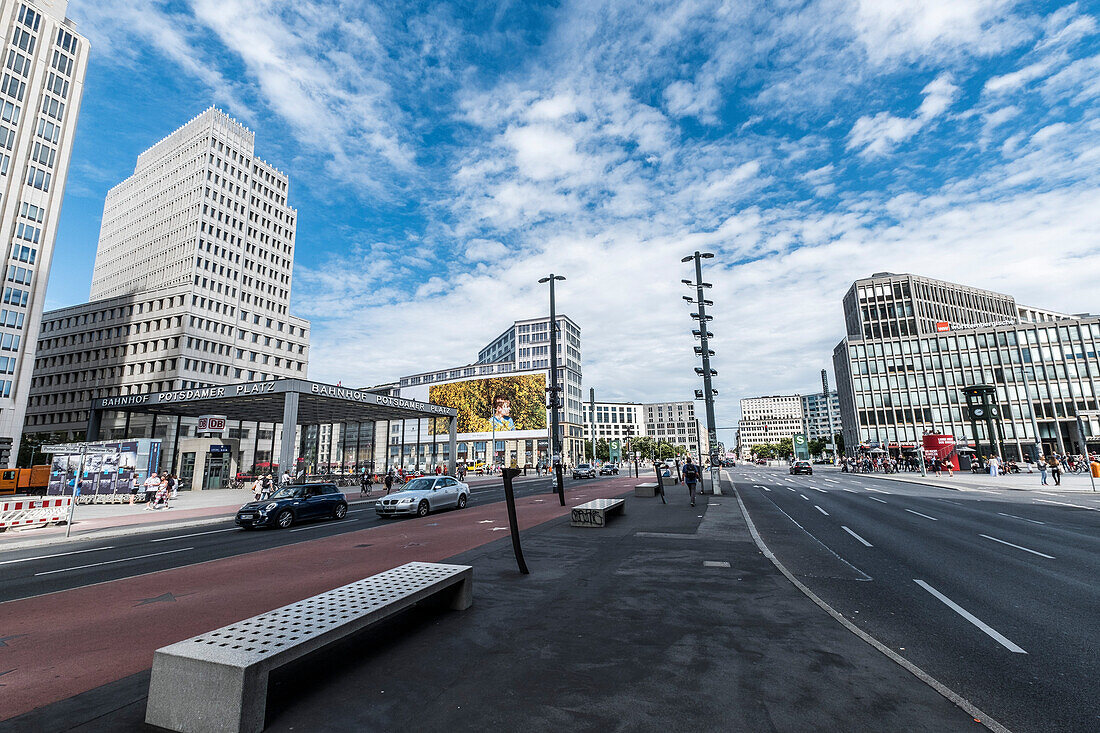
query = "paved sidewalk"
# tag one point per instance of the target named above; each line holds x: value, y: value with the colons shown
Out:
x: 1071, y: 483
x: 668, y: 618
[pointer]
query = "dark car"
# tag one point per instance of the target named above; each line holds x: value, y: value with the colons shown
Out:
x: 584, y: 470
x: 609, y: 469
x: 292, y: 504
x: 803, y: 467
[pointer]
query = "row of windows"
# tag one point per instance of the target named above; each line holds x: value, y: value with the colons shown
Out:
x: 24, y: 253
x: 20, y: 275
x: 15, y: 296
x: 11, y: 318
x: 7, y: 364
x: 38, y: 178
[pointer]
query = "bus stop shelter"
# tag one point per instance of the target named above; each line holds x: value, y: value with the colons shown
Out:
x: 289, y: 402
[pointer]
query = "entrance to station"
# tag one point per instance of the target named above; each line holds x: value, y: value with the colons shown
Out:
x: 217, y: 471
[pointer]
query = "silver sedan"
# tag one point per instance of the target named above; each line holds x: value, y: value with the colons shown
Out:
x: 423, y: 495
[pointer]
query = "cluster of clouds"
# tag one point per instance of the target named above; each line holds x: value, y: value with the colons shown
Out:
x: 805, y: 145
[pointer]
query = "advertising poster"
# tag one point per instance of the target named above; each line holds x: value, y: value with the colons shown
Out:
x: 515, y: 403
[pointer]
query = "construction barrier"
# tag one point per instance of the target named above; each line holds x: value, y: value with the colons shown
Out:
x: 32, y: 512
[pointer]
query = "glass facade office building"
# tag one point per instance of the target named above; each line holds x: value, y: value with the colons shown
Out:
x: 913, y: 343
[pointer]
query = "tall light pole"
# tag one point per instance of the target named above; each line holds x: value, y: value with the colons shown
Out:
x: 554, y: 402
x: 704, y: 351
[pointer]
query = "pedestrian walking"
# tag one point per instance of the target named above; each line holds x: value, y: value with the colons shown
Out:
x: 287, y: 479
x: 365, y: 484
x: 388, y: 481
x: 267, y: 487
x: 690, y: 475
x: 150, y: 486
x: 161, y: 495
x: 1055, y: 469
x: 258, y: 488
x: 994, y: 466
x: 1043, y: 472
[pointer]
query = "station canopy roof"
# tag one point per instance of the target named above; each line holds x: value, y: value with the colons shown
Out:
x: 263, y: 402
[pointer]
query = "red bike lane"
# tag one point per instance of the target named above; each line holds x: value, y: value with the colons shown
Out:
x: 60, y: 644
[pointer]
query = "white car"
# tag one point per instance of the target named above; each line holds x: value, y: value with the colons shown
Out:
x: 424, y: 495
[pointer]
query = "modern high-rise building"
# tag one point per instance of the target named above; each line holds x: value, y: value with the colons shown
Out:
x: 40, y: 91
x: 769, y: 419
x: 191, y: 288
x: 913, y: 343
x: 614, y: 421
x: 820, y: 419
x: 676, y: 422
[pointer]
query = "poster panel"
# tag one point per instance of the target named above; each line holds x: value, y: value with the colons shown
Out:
x: 510, y: 404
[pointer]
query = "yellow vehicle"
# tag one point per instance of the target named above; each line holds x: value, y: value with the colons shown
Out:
x: 32, y: 480
x: 477, y: 467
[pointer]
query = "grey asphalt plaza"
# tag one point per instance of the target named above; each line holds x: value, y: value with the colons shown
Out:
x: 669, y: 618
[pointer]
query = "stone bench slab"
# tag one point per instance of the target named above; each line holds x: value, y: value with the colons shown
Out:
x: 594, y: 513
x: 217, y: 682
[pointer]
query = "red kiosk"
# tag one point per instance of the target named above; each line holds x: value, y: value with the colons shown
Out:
x: 942, y: 447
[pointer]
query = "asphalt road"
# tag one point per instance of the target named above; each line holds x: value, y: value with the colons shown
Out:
x: 36, y: 571
x: 992, y: 592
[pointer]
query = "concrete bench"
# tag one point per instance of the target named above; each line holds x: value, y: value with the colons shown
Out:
x: 594, y: 513
x: 218, y: 681
x: 646, y: 490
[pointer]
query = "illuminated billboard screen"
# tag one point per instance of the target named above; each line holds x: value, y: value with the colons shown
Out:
x: 515, y: 403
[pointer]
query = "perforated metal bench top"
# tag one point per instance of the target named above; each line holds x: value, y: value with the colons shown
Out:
x: 264, y: 636
x: 601, y: 504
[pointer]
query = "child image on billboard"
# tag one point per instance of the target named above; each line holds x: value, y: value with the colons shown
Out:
x: 501, y: 404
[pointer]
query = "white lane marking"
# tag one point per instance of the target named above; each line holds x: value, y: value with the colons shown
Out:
x: 971, y: 618
x: 758, y: 486
x: 950, y: 502
x: 58, y: 554
x: 1063, y: 503
x: 865, y: 577
x: 1033, y: 521
x: 875, y: 498
x: 830, y: 480
x: 804, y: 497
x: 715, y: 564
x: 320, y: 524
x: 922, y: 515
x: 850, y: 491
x: 877, y: 491
x: 1018, y: 547
x: 195, y: 534
x: 865, y: 542
x: 111, y: 562
x: 823, y: 491
x: 790, y: 489
x: 821, y: 510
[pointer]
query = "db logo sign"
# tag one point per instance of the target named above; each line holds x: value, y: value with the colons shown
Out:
x: 210, y: 424
x: 942, y: 326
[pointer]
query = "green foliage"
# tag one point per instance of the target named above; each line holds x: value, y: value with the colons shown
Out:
x: 817, y: 446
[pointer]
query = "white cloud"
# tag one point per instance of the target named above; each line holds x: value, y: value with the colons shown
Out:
x: 877, y: 135
x: 485, y: 250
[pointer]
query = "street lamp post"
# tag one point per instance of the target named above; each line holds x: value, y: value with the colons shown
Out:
x: 704, y: 351
x: 554, y: 403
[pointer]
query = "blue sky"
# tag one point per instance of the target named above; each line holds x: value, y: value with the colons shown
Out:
x: 444, y: 156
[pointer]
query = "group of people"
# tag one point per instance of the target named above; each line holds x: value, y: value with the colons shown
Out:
x: 159, y: 490
x: 264, y: 486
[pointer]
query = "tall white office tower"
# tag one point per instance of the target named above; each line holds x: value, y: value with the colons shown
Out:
x: 191, y: 288
x: 40, y: 89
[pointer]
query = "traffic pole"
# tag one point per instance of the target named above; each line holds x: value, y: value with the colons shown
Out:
x: 76, y: 491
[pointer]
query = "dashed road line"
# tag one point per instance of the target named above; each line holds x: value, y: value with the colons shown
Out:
x: 112, y: 562
x: 56, y: 554
x: 875, y: 498
x: 993, y: 633
x: 821, y: 510
x: 1019, y: 547
x: 922, y: 515
x: 865, y: 542
x: 804, y: 497
x: 1025, y: 519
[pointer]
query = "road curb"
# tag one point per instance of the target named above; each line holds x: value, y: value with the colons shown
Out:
x: 961, y: 702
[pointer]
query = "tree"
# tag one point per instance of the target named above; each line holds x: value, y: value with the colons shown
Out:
x: 838, y: 441
x: 765, y: 450
x: 784, y: 447
x: 665, y: 449
x: 603, y: 452
x: 643, y: 444
x: 817, y: 446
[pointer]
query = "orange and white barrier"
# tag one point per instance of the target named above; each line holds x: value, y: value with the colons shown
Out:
x: 32, y: 511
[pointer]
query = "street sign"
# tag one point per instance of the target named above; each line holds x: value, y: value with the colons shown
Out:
x: 75, y: 448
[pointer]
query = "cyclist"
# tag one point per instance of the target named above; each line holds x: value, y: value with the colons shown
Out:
x: 366, y: 486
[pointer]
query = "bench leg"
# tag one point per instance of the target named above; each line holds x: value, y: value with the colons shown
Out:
x: 192, y: 696
x: 462, y: 593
